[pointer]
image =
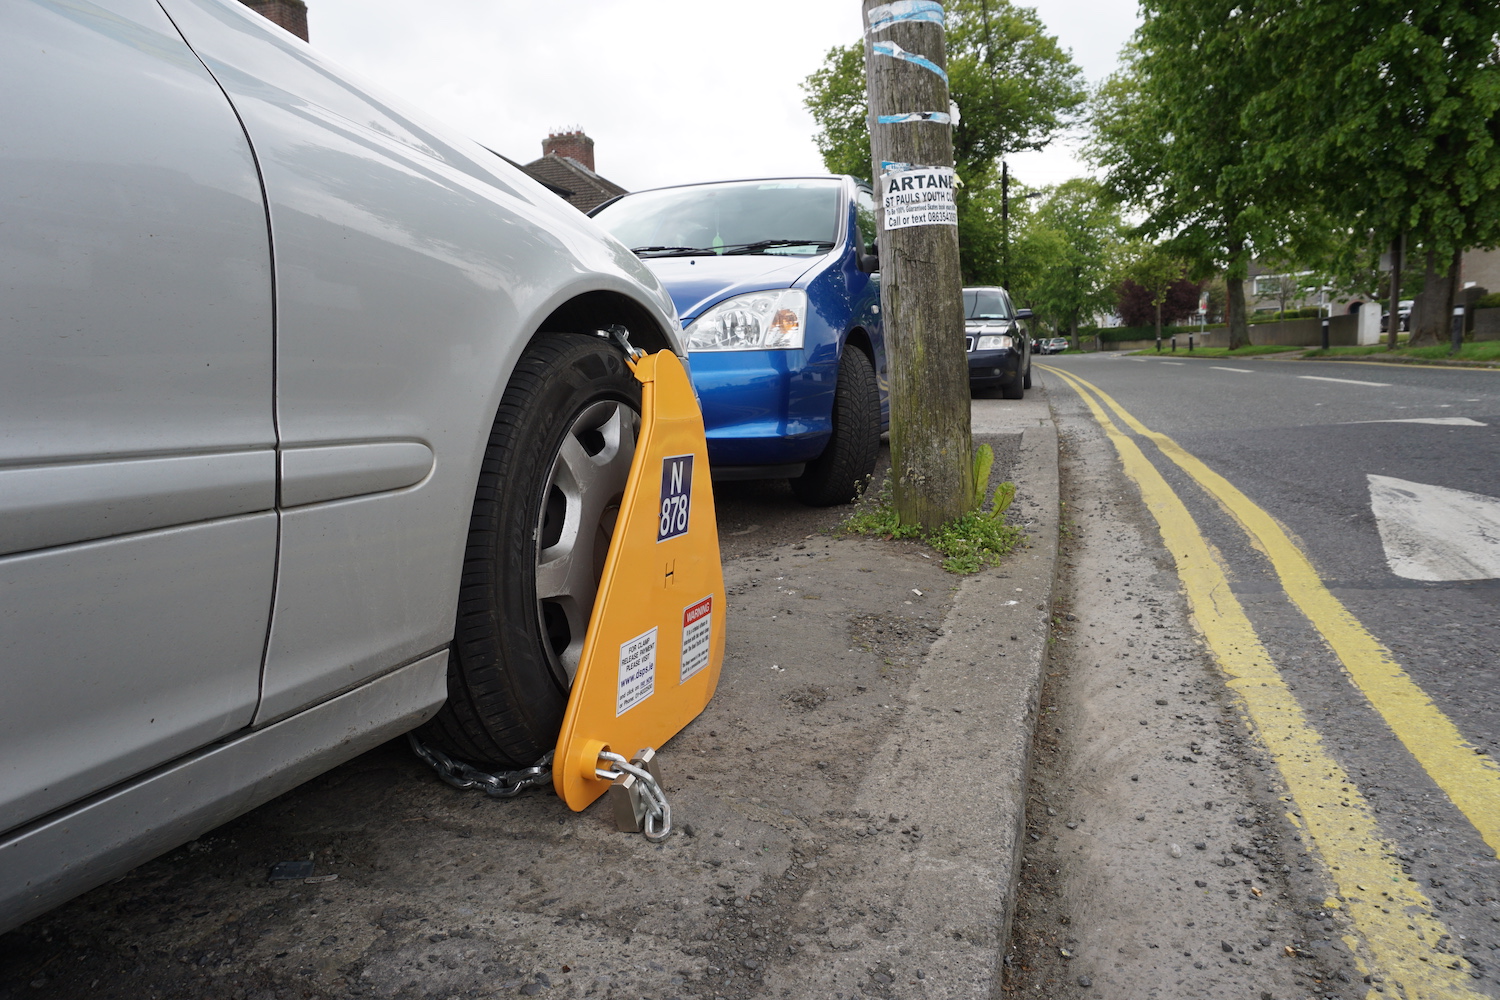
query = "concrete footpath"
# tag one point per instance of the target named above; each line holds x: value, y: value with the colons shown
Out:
x: 900, y: 777
x: 847, y: 811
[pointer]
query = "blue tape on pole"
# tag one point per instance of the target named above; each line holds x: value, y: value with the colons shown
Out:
x: 940, y: 117
x: 887, y: 14
x: 897, y: 52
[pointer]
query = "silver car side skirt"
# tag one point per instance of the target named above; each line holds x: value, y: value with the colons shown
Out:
x: 88, y: 844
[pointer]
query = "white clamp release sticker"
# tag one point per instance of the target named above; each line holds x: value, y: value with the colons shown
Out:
x: 637, y: 671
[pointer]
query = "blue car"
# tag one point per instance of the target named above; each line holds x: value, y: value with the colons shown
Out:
x: 776, y: 284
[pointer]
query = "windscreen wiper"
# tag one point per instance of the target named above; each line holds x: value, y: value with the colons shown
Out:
x: 760, y: 245
x: 675, y: 251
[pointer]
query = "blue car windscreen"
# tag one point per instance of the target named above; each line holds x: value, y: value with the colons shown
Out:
x: 796, y: 217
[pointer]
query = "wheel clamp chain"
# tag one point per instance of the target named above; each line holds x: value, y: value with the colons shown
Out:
x: 655, y: 641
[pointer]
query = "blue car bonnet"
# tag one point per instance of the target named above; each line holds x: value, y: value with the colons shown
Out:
x: 696, y: 283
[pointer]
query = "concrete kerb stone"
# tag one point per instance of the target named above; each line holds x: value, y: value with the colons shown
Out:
x: 969, y: 781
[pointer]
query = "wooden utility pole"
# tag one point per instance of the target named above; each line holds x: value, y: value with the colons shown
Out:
x: 921, y: 291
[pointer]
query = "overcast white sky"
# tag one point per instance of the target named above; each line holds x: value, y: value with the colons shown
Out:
x: 671, y: 92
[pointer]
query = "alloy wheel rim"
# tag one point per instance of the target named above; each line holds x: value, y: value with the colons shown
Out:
x: 580, y: 505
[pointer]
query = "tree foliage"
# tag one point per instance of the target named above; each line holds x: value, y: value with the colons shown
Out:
x: 840, y: 108
x: 1156, y: 272
x: 1412, y: 144
x: 1317, y: 127
x: 1136, y: 304
x: 1078, y: 233
x: 1170, y: 132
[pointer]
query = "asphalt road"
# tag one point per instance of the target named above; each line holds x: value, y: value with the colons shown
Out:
x: 1380, y: 475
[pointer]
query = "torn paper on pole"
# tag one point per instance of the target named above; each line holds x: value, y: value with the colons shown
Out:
x: 887, y: 14
x: 897, y: 52
x: 918, y: 196
x: 940, y: 117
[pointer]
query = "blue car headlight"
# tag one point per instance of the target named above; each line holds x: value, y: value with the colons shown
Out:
x: 759, y: 321
x: 993, y: 342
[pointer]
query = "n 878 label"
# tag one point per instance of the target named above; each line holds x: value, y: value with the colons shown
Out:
x: 676, y: 496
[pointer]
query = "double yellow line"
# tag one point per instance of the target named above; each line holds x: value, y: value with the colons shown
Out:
x: 1394, y: 918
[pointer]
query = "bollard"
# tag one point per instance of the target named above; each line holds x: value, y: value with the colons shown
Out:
x: 1158, y: 345
x: 1458, y: 329
x: 1325, y: 333
x: 1174, y: 345
x: 1190, y: 343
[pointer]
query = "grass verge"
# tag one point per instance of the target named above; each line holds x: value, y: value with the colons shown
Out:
x: 1483, y: 350
x: 968, y: 543
x: 1220, y: 352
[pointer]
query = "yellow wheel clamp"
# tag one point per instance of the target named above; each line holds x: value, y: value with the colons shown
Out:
x: 655, y: 640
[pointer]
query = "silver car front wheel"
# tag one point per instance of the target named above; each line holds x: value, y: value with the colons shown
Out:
x: 548, y: 495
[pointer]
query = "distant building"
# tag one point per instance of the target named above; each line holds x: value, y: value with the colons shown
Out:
x: 567, y: 167
x: 290, y: 14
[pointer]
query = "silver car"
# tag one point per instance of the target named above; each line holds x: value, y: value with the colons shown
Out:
x: 308, y: 435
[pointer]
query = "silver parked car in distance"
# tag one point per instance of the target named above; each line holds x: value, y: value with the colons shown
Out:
x: 307, y: 434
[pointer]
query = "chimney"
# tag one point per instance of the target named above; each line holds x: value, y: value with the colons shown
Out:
x: 290, y: 14
x: 572, y: 144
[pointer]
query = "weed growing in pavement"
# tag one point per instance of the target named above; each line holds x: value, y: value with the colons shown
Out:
x: 969, y: 542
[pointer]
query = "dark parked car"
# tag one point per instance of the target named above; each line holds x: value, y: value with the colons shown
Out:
x: 997, y: 343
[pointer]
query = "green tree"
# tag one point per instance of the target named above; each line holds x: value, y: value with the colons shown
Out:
x: 1409, y: 145
x: 1156, y: 269
x: 1034, y: 248
x: 1084, y: 229
x: 1015, y: 88
x: 840, y: 108
x: 1170, y: 133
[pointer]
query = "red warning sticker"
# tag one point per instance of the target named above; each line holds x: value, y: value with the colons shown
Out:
x: 697, y: 630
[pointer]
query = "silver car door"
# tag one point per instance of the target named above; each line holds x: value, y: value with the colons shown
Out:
x: 403, y: 271
x: 137, y: 462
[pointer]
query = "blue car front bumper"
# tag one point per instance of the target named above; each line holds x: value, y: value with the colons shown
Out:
x: 763, y: 408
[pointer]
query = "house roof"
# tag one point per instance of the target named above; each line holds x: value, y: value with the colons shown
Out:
x: 585, y: 189
x: 561, y: 192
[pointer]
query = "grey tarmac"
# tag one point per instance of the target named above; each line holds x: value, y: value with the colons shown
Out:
x: 1302, y: 448
x: 847, y: 812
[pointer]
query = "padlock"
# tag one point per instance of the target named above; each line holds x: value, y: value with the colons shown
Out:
x: 628, y: 794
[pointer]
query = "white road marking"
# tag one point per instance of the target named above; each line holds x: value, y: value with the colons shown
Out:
x: 1435, y: 533
x: 1174, y: 362
x: 1346, y: 381
x: 1244, y: 371
x: 1440, y: 421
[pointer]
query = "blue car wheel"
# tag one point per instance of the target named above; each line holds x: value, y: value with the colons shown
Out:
x: 843, y: 471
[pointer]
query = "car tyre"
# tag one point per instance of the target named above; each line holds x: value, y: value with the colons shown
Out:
x: 1016, y: 387
x: 844, y: 469
x: 1026, y: 381
x: 550, y: 487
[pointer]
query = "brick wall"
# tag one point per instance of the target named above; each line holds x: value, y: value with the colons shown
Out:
x: 290, y: 14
